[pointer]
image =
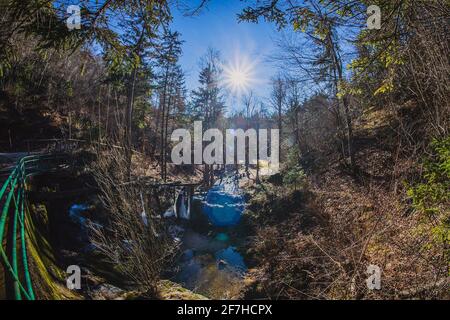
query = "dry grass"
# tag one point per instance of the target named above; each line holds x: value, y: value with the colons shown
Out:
x: 318, y: 243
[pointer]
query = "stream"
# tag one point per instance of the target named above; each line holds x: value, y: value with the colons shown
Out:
x: 211, y: 264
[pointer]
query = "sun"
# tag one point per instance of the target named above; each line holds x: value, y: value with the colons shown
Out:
x: 238, y: 76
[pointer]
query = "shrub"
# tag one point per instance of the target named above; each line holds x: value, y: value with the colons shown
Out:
x: 137, y: 249
x: 294, y: 176
x: 431, y: 196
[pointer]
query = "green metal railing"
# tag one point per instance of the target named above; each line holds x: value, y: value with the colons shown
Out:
x: 12, y: 198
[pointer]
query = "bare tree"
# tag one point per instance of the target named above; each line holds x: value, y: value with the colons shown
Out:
x: 277, y: 101
x: 250, y: 103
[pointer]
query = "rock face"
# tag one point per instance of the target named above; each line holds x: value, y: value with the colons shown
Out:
x: 106, y: 291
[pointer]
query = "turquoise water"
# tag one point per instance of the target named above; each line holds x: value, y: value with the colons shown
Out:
x: 222, y: 237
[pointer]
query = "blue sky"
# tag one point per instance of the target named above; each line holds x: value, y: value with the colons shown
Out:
x: 217, y: 27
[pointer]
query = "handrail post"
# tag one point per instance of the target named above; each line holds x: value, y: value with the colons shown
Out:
x: 14, y: 244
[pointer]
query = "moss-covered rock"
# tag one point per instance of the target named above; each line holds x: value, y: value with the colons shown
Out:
x: 48, y: 278
x: 169, y: 290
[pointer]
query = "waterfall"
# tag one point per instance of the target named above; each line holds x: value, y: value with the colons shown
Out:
x: 182, y: 205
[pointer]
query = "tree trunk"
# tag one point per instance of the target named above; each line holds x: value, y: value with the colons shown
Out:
x: 280, y: 124
x: 129, y: 122
x: 166, y: 125
x: 257, y: 149
x: 163, y: 116
x: 348, y: 118
x: 339, y: 78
